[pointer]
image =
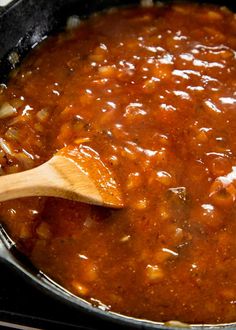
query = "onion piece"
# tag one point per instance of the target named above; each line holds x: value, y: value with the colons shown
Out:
x: 2, y: 87
x: 12, y: 134
x: 73, y: 22
x: 7, y: 110
x: 147, y: 3
x: 13, y: 58
x: 42, y: 115
x: 6, y: 147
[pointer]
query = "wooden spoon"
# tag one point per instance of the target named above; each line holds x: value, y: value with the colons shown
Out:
x: 75, y: 173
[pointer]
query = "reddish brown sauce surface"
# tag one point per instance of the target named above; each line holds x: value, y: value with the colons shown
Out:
x: 152, y: 91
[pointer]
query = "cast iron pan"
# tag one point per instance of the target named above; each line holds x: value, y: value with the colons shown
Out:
x: 23, y: 23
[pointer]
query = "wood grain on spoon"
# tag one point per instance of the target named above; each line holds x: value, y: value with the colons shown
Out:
x: 75, y: 173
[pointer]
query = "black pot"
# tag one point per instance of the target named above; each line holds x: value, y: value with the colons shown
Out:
x: 23, y: 23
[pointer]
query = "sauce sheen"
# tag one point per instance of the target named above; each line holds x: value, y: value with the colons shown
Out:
x: 152, y: 92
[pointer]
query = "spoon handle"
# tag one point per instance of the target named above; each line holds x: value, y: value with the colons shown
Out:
x: 32, y: 182
x: 50, y: 179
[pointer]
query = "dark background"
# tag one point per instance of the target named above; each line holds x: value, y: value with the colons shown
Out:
x: 22, y: 303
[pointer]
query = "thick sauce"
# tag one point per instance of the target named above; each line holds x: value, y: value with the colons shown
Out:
x: 152, y: 91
